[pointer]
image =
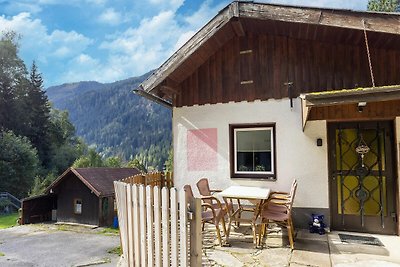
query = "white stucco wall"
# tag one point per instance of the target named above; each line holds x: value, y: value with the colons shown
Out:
x: 297, y: 154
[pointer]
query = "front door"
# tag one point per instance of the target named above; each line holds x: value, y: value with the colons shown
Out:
x: 362, y: 177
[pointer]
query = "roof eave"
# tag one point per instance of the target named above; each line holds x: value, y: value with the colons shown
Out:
x: 59, y: 179
x: 294, y: 14
x: 348, y: 96
x: 152, y: 97
x: 189, y: 47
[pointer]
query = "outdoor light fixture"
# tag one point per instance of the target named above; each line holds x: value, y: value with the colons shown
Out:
x: 290, y: 92
x: 319, y: 141
x: 361, y: 106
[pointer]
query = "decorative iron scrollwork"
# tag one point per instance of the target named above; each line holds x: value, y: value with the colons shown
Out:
x: 362, y: 149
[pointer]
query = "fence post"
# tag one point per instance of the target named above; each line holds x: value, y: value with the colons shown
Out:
x: 195, y: 233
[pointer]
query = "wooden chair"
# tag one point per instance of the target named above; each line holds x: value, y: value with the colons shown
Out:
x: 275, y: 195
x: 278, y: 209
x: 205, y: 191
x: 212, y: 211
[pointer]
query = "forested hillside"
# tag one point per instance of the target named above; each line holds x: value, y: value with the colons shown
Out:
x: 116, y: 121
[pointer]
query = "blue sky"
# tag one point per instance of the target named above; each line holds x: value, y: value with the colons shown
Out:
x: 110, y: 40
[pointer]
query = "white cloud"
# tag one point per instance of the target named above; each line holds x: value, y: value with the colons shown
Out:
x: 163, y: 5
x: 138, y: 50
x: 35, y: 37
x: 84, y: 68
x: 97, y: 2
x: 197, y: 20
x: 110, y: 16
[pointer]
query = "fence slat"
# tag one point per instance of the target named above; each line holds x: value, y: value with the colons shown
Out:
x: 195, y: 233
x: 130, y: 224
x: 136, y: 226
x: 174, y: 227
x: 165, y: 226
x: 157, y: 227
x: 150, y: 233
x: 143, y: 241
x: 154, y: 224
x: 183, y: 228
x: 120, y: 196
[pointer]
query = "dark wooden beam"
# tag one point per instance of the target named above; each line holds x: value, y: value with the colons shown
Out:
x: 378, y: 22
x: 153, y: 98
x: 237, y: 27
x: 341, y: 97
x: 169, y: 90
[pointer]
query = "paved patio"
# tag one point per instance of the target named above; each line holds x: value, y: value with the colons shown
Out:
x: 310, y: 250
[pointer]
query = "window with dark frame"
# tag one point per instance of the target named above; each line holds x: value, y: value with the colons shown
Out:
x: 252, y: 151
x: 78, y: 206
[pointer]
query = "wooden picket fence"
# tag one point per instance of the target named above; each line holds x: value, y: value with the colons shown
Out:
x: 158, y: 226
x: 160, y: 179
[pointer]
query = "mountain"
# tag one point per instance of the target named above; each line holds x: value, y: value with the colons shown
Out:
x: 115, y: 120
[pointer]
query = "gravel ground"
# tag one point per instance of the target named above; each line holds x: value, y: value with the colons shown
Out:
x: 56, y: 245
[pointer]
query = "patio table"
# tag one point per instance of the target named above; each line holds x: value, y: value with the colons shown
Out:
x: 257, y: 195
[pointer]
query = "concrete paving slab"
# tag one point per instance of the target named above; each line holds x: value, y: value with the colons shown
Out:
x: 310, y: 250
x: 353, y: 255
x: 224, y: 259
x: 369, y: 263
x: 311, y: 253
x: 274, y: 257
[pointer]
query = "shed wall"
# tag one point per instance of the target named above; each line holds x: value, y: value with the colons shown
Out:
x: 72, y: 188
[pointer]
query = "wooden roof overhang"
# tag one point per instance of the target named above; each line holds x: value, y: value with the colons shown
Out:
x: 77, y: 174
x: 360, y: 96
x: 240, y: 18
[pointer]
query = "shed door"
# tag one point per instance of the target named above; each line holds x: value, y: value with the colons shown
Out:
x: 362, y: 181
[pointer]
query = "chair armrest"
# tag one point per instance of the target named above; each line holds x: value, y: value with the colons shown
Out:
x: 279, y: 193
x: 282, y: 197
x: 212, y: 198
x: 216, y: 191
x: 276, y: 201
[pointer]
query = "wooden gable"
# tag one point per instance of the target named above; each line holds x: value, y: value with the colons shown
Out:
x: 257, y: 66
x: 251, y: 51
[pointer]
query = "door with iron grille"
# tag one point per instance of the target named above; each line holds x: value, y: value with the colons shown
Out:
x: 362, y: 180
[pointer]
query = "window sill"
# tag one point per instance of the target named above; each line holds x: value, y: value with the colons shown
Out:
x: 269, y: 177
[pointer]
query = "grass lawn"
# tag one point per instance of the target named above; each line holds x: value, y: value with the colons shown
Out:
x: 109, y: 231
x: 7, y: 221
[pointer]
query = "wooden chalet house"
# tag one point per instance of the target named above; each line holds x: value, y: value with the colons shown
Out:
x: 79, y: 195
x: 264, y: 93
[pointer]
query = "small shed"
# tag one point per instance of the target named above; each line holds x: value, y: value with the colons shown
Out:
x: 85, y: 195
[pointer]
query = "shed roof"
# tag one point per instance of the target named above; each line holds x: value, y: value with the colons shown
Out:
x: 99, y: 180
x: 242, y: 16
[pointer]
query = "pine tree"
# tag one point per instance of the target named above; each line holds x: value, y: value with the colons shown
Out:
x: 38, y: 117
x: 384, y: 5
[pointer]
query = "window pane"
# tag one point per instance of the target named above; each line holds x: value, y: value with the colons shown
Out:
x: 78, y: 206
x: 254, y: 150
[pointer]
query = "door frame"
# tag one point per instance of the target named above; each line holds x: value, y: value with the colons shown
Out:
x: 395, y: 156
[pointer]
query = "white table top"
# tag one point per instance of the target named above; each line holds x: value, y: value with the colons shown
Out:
x: 245, y: 192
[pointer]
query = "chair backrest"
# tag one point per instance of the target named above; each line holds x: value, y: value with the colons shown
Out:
x: 188, y: 193
x: 283, y: 205
x: 293, y: 187
x: 292, y: 194
x: 204, y: 188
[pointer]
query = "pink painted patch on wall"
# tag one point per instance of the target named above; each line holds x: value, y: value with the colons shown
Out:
x: 202, y: 149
